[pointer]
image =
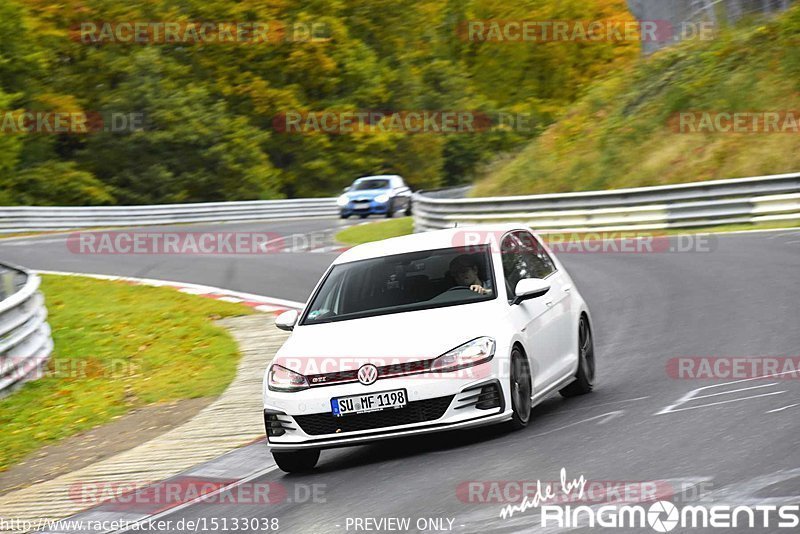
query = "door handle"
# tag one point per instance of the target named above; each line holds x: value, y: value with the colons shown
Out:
x: 548, y: 303
x: 567, y: 289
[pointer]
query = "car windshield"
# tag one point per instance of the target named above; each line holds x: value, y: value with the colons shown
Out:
x: 403, y: 282
x: 363, y: 185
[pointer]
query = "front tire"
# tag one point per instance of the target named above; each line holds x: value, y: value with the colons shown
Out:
x: 521, y: 390
x: 584, y: 378
x: 296, y: 461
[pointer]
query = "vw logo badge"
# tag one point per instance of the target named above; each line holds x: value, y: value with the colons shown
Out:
x: 367, y: 374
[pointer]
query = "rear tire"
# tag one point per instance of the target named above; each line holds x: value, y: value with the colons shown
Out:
x: 390, y: 210
x: 296, y: 461
x: 407, y: 213
x: 521, y: 390
x: 584, y: 378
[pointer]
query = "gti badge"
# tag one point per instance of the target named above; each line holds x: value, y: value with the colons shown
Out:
x: 367, y: 374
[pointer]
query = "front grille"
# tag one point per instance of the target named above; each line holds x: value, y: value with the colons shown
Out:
x: 384, y: 371
x: 413, y: 412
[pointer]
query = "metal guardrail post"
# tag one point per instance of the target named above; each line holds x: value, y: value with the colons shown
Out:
x: 25, y: 340
x: 17, y: 219
x: 643, y: 208
x: 6, y: 284
x: 744, y: 200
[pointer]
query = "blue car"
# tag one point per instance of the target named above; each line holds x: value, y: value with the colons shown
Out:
x: 382, y: 195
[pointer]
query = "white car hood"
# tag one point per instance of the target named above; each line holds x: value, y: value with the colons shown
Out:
x: 408, y: 336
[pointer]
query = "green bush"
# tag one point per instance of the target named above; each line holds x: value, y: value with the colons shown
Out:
x: 620, y: 135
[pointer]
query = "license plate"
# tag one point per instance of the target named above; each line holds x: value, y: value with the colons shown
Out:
x: 369, y: 402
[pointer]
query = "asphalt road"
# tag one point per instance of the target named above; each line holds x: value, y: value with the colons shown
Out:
x: 735, y: 443
x: 279, y: 274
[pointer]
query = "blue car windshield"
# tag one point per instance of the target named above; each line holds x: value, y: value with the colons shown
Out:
x: 364, y: 185
x: 403, y: 282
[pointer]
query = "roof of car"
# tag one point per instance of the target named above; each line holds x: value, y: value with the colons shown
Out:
x: 437, y: 239
x: 377, y: 176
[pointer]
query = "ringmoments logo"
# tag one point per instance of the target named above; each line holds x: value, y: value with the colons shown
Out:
x: 660, y: 516
x: 663, y: 516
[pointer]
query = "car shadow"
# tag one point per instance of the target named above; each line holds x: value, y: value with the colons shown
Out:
x: 406, y: 447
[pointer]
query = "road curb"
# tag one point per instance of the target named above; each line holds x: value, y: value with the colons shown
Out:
x: 258, y: 302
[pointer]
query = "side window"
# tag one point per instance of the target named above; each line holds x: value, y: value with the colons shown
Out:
x: 538, y: 260
x: 523, y: 257
x: 329, y: 301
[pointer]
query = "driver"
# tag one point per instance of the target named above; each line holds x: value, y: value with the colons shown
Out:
x: 464, y: 270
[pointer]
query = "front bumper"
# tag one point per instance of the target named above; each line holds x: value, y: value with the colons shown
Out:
x: 367, y: 208
x: 303, y: 419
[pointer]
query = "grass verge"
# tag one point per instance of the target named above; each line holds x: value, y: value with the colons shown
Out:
x: 365, y: 233
x: 382, y: 230
x: 117, y: 347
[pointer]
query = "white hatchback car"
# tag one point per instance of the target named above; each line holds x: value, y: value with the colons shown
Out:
x: 423, y: 333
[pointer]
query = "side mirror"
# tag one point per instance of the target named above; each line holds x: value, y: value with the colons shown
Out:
x: 530, y: 288
x: 287, y: 320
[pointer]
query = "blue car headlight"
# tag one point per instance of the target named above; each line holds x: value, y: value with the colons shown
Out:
x: 343, y: 201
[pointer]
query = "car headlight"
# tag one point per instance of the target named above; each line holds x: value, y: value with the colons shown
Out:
x: 384, y: 198
x: 474, y: 352
x: 283, y: 379
x: 343, y: 201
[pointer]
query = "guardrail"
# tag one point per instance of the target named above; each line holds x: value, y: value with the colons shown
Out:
x: 37, y: 218
x: 698, y: 204
x: 25, y: 341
